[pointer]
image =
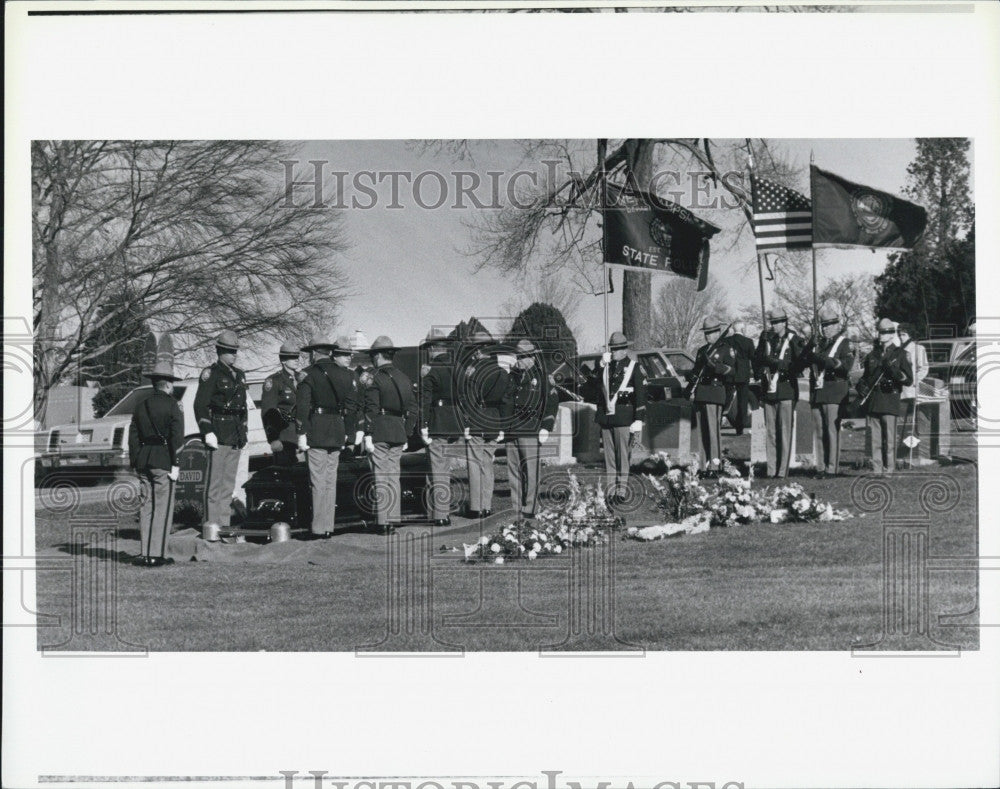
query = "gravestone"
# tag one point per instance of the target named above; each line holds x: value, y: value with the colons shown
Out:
x: 191, y: 495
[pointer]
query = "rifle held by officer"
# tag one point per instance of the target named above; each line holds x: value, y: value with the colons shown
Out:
x: 693, y: 385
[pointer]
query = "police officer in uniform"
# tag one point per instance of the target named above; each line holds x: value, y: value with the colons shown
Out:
x: 278, y: 407
x: 886, y: 371
x: 739, y: 388
x: 529, y: 416
x: 713, y: 366
x: 440, y: 423
x: 482, y: 387
x: 829, y: 363
x: 779, y: 361
x: 220, y: 406
x: 390, y: 415
x: 326, y: 419
x: 621, y: 410
x: 154, y: 438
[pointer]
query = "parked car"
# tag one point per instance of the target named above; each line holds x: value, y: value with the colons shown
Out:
x: 942, y: 352
x: 666, y: 371
x: 102, y: 444
x: 962, y: 381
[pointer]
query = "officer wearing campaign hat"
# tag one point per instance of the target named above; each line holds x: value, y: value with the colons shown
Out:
x: 830, y: 361
x: 779, y: 364
x: 220, y: 406
x: 621, y: 411
x: 390, y: 411
x: 529, y: 416
x: 327, y: 411
x: 155, y: 437
x: 481, y: 388
x: 441, y: 426
x: 277, y: 406
x: 714, y: 367
x: 886, y: 370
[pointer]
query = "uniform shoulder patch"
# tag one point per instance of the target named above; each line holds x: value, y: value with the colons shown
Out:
x: 424, y: 369
x: 206, y: 373
x: 268, y: 384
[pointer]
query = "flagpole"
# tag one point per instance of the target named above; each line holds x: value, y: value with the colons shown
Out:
x: 760, y: 267
x: 815, y: 326
x: 602, y: 150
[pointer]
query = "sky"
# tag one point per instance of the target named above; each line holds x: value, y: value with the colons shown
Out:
x: 408, y: 266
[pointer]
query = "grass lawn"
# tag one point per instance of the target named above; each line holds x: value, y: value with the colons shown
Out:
x: 754, y: 587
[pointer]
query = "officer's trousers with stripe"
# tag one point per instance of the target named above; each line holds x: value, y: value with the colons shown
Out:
x: 778, y: 422
x: 225, y: 463
x: 156, y: 513
x: 883, y: 432
x: 523, y: 460
x: 616, y: 458
x: 479, y: 454
x: 388, y: 498
x: 323, y: 465
x: 710, y: 427
x: 826, y: 428
x: 440, y: 453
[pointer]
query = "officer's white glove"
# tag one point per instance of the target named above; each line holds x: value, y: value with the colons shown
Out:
x: 175, y: 473
x: 211, y: 441
x: 543, y: 436
x: 425, y: 436
x: 606, y: 357
x: 303, y: 443
x: 467, y: 434
x: 369, y: 445
x: 359, y: 437
x: 277, y: 446
x: 499, y: 436
x: 635, y: 427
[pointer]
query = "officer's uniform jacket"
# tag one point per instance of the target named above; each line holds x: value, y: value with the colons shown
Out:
x: 531, y: 403
x: 888, y: 370
x: 156, y: 434
x: 715, y: 371
x: 631, y: 403
x: 327, y: 403
x: 743, y: 348
x: 788, y: 365
x: 829, y: 366
x: 439, y: 406
x: 390, y: 408
x: 220, y: 405
x: 482, y: 389
x: 277, y: 407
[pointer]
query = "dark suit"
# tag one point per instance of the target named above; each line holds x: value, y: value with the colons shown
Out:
x: 829, y: 365
x: 887, y: 371
x: 154, y: 439
x: 744, y: 349
x: 390, y: 415
x: 220, y: 406
x: 326, y: 413
x: 531, y: 405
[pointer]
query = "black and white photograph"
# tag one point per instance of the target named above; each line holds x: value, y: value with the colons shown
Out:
x: 370, y: 412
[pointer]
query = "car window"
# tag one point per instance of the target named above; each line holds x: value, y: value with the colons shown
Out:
x: 967, y: 355
x: 653, y: 366
x: 937, y: 352
x: 681, y: 362
x: 127, y: 405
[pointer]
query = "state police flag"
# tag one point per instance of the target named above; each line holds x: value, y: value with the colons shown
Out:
x: 846, y: 214
x: 648, y: 233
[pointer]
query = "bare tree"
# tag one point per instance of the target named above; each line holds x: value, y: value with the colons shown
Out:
x: 192, y: 237
x: 679, y: 311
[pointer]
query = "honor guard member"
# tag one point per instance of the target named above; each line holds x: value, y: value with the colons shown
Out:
x: 220, y: 406
x: 440, y: 423
x: 154, y: 438
x: 390, y: 415
x: 714, y: 364
x: 530, y: 415
x: 482, y: 389
x: 744, y: 349
x: 277, y: 407
x: 326, y: 419
x: 829, y: 364
x: 886, y: 370
x: 621, y: 410
x: 779, y: 363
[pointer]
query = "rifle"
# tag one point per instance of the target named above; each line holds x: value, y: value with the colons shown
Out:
x: 881, y: 375
x: 691, y: 387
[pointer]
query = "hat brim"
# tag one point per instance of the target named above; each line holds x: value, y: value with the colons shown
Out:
x: 373, y: 351
x: 162, y: 377
x: 834, y: 322
x: 227, y: 348
x: 319, y: 346
x: 619, y: 345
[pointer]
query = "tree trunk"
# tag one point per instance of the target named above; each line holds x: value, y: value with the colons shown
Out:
x: 637, y: 298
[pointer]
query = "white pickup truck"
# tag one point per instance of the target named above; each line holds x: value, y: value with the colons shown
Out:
x: 98, y: 445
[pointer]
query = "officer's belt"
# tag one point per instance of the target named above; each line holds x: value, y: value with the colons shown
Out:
x: 228, y: 411
x: 336, y: 411
x: 154, y: 441
x: 389, y: 412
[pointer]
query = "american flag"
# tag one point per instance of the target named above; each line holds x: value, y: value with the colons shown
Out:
x: 782, y: 218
